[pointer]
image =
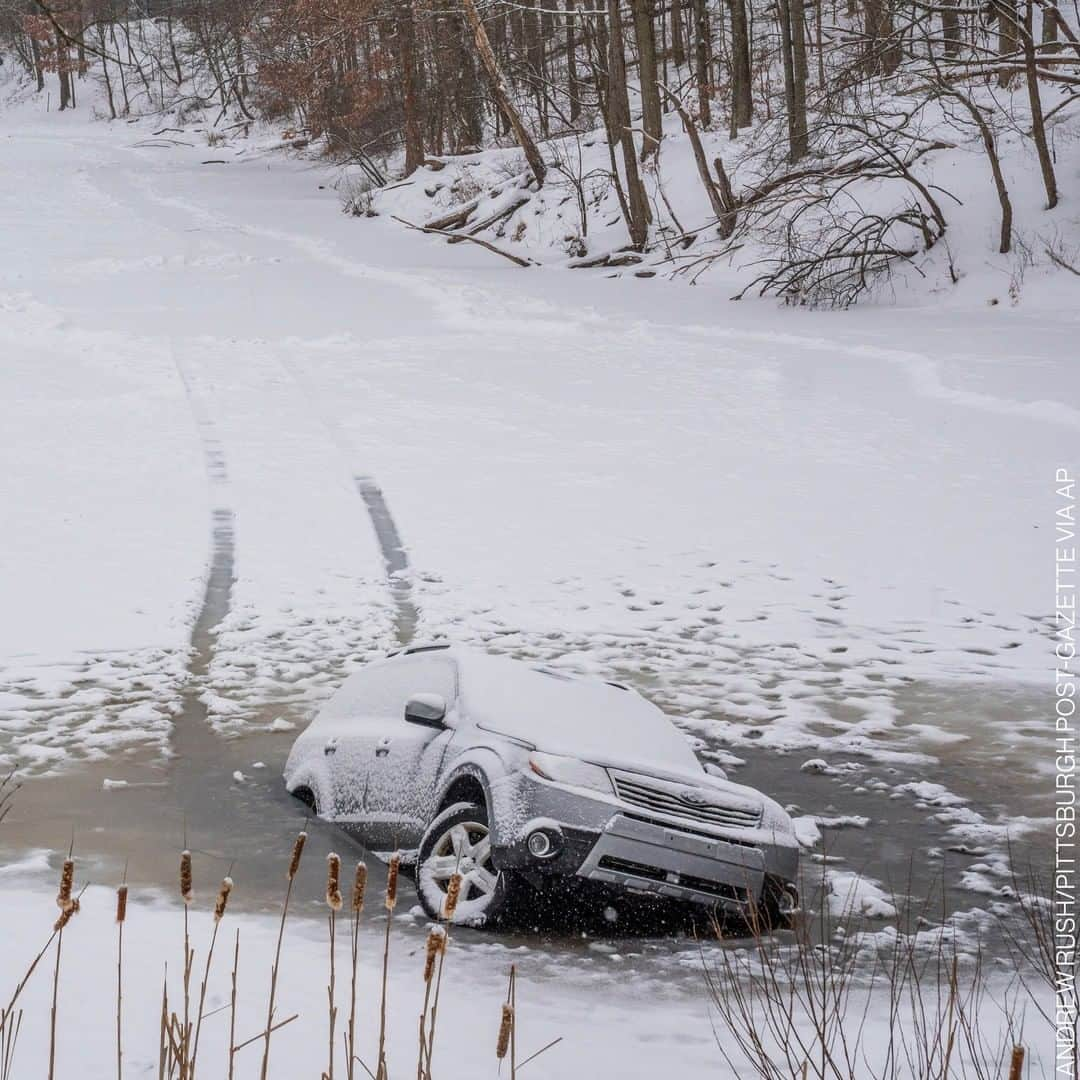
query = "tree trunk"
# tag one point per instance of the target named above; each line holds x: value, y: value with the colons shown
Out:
x: 499, y: 91
x: 702, y: 61
x: 797, y: 13
x: 105, y: 71
x: 995, y: 167
x: 1050, y: 39
x: 950, y: 28
x: 573, y: 81
x: 1005, y: 11
x: 819, y: 32
x: 652, y: 116
x: 414, y: 132
x: 1038, y: 125
x: 793, y: 50
x: 39, y: 71
x: 637, y: 211
x: 742, y: 97
x: 882, y: 50
x: 63, y: 72
x: 534, y: 37
x: 678, y: 41
x: 783, y: 13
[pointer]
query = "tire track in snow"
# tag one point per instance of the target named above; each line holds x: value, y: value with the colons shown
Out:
x: 386, y: 531
x: 394, y: 555
x: 192, y: 733
x: 388, y: 536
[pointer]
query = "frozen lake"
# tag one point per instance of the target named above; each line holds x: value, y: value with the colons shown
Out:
x: 807, y: 536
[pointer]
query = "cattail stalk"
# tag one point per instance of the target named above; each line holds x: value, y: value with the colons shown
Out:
x: 294, y: 866
x: 502, y: 1044
x: 67, y: 877
x: 436, y: 942
x: 232, y: 1006
x: 9, y: 1036
x: 391, y: 903
x: 392, y: 881
x: 187, y: 895
x: 513, y: 1022
x: 69, y: 907
x: 219, y: 913
x: 163, y: 1033
x: 333, y: 902
x: 121, y: 915
x: 358, y: 890
x: 1016, y: 1063
x: 453, y: 895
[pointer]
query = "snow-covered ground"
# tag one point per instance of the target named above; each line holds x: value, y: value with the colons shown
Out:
x: 806, y: 535
x: 616, y: 1013
x: 773, y: 514
x: 575, y: 218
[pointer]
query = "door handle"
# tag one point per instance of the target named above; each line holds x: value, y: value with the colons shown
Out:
x: 382, y: 750
x: 330, y: 747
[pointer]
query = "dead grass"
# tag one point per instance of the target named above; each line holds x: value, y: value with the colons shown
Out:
x: 181, y: 1019
x: 797, y: 1005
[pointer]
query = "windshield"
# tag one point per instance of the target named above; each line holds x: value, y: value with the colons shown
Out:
x: 583, y: 718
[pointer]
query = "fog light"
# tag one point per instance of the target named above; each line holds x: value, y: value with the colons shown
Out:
x: 540, y: 845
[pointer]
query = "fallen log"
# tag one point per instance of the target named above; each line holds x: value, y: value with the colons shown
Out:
x: 515, y: 203
x: 457, y: 216
x: 608, y: 258
x: 457, y: 238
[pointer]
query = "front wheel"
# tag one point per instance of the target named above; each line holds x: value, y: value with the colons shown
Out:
x: 458, y: 841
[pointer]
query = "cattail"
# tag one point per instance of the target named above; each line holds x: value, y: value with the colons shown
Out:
x: 297, y: 851
x: 333, y: 882
x: 67, y: 876
x: 222, y: 898
x: 453, y: 894
x: 121, y: 903
x: 185, y: 877
x: 67, y: 914
x: 391, y: 881
x: 503, y: 1043
x: 436, y: 942
x: 1016, y: 1063
x: 359, y: 887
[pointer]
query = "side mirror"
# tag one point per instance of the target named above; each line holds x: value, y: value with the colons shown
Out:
x: 715, y: 770
x: 426, y: 709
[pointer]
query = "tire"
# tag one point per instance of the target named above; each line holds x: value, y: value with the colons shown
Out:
x: 457, y: 841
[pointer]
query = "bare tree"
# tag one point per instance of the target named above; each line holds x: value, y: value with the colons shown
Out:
x: 501, y: 94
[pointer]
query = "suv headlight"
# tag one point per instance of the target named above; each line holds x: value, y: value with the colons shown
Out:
x: 571, y: 771
x: 775, y: 819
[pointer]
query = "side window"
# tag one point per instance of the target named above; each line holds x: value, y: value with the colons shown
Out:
x: 389, y: 686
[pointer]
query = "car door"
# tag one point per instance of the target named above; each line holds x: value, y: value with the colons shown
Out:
x: 348, y: 729
x: 401, y: 786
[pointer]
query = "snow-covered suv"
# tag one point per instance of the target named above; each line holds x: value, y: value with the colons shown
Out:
x: 512, y: 775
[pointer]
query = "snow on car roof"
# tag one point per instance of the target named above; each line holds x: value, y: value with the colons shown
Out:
x: 567, y: 714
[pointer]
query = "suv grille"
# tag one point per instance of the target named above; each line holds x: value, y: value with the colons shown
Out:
x: 670, y: 802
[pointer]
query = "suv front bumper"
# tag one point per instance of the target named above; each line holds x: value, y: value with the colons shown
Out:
x: 647, y: 857
x: 620, y: 846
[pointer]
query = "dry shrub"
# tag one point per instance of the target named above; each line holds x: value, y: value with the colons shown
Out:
x: 834, y: 1000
